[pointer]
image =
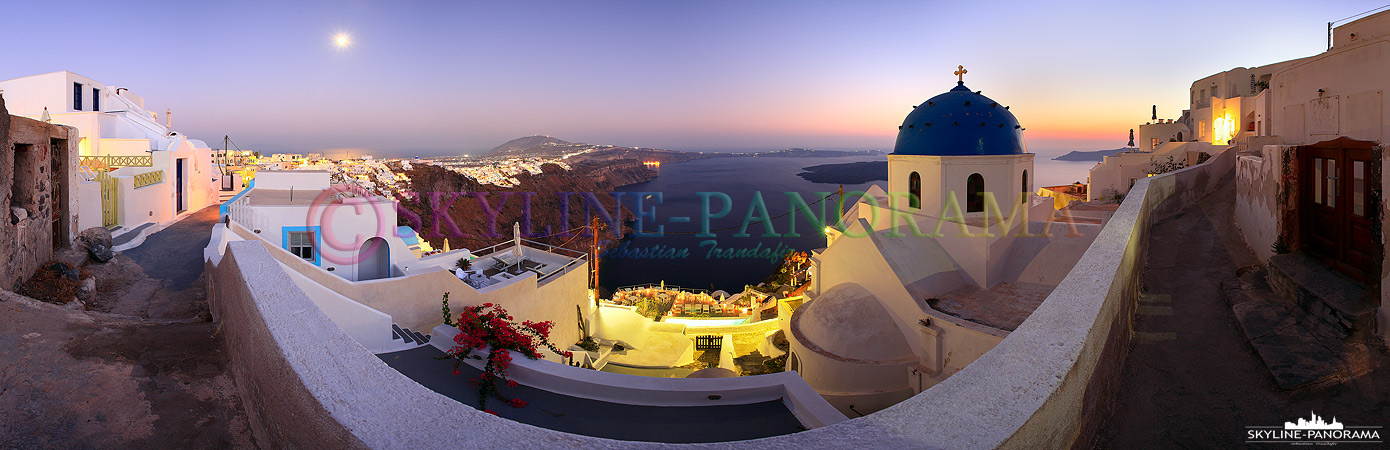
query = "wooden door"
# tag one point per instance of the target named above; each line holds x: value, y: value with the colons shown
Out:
x: 1340, y: 199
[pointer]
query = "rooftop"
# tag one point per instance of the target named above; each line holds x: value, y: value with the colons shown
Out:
x: 506, y: 261
x: 1003, y: 306
x: 297, y: 197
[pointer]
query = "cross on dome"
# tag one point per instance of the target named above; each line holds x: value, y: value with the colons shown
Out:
x: 960, y: 74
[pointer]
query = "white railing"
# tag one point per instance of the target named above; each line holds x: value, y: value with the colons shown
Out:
x: 240, y: 211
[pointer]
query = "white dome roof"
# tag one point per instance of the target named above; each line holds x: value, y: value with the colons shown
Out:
x: 849, y: 323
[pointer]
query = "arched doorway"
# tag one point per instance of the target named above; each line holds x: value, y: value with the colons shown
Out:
x: 373, y: 260
x: 975, y: 193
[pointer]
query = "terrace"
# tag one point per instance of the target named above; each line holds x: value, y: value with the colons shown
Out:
x: 506, y: 261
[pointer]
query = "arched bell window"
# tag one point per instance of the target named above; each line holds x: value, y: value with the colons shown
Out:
x: 975, y: 193
x: 1024, y: 198
x: 914, y: 190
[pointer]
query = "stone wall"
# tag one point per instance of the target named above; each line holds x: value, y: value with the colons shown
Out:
x: 1267, y: 198
x: 1383, y: 316
x: 30, y: 151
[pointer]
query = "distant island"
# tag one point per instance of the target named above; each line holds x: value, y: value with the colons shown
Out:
x: 847, y: 173
x: 808, y: 152
x: 546, y: 146
x: 1096, y: 155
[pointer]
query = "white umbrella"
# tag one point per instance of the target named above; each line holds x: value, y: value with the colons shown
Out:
x: 516, y: 239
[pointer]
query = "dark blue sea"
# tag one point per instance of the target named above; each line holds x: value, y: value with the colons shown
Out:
x: 728, y: 260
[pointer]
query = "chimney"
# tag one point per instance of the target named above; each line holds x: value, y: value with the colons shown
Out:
x: 168, y: 118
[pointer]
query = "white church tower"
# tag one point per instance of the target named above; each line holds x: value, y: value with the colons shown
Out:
x: 959, y: 146
x: 896, y: 304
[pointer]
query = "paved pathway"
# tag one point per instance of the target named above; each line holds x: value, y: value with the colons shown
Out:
x: 1191, y: 380
x: 175, y: 254
x: 158, y: 279
x: 152, y: 375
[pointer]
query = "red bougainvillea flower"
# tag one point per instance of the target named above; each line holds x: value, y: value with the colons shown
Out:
x: 489, y: 326
x: 489, y: 411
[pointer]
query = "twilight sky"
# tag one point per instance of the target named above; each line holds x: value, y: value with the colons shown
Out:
x: 447, y: 77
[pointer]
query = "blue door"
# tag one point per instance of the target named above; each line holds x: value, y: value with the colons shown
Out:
x: 178, y: 184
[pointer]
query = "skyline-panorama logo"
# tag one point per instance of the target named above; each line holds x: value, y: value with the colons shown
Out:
x: 1313, y: 430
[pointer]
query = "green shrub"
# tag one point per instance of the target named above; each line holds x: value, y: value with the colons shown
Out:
x: 1280, y: 247
x: 774, y: 365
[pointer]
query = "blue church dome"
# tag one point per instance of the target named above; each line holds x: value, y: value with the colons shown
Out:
x: 960, y: 122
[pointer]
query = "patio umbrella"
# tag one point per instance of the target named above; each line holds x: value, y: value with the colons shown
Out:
x: 516, y: 239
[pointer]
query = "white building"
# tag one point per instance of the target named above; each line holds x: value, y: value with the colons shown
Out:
x: 921, y: 280
x: 343, y: 248
x: 1308, y: 175
x: 155, y: 173
x: 1154, y: 134
x: 1111, y: 179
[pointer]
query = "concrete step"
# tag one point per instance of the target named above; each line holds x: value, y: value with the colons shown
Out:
x: 410, y: 337
x: 1322, y: 293
x: 1296, y: 347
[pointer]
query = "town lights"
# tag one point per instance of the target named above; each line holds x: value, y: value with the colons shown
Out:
x: 1223, y: 129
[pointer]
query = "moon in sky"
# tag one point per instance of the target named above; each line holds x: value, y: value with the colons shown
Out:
x: 341, y: 40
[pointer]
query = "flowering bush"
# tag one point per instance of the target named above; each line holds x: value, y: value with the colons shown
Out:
x: 489, y: 326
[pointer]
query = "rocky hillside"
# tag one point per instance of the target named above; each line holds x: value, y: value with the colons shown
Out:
x: 470, y: 216
x: 528, y: 144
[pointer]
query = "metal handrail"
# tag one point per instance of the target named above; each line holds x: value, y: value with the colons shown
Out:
x: 553, y: 249
x: 489, y: 249
x: 562, y: 269
x: 547, y: 247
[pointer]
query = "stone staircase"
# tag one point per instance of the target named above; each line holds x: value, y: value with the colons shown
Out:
x: 410, y: 337
x: 1322, y: 293
x: 1308, y: 324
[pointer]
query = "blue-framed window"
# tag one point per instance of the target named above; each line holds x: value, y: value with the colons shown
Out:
x: 304, y: 242
x: 77, y: 96
x: 96, y: 99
